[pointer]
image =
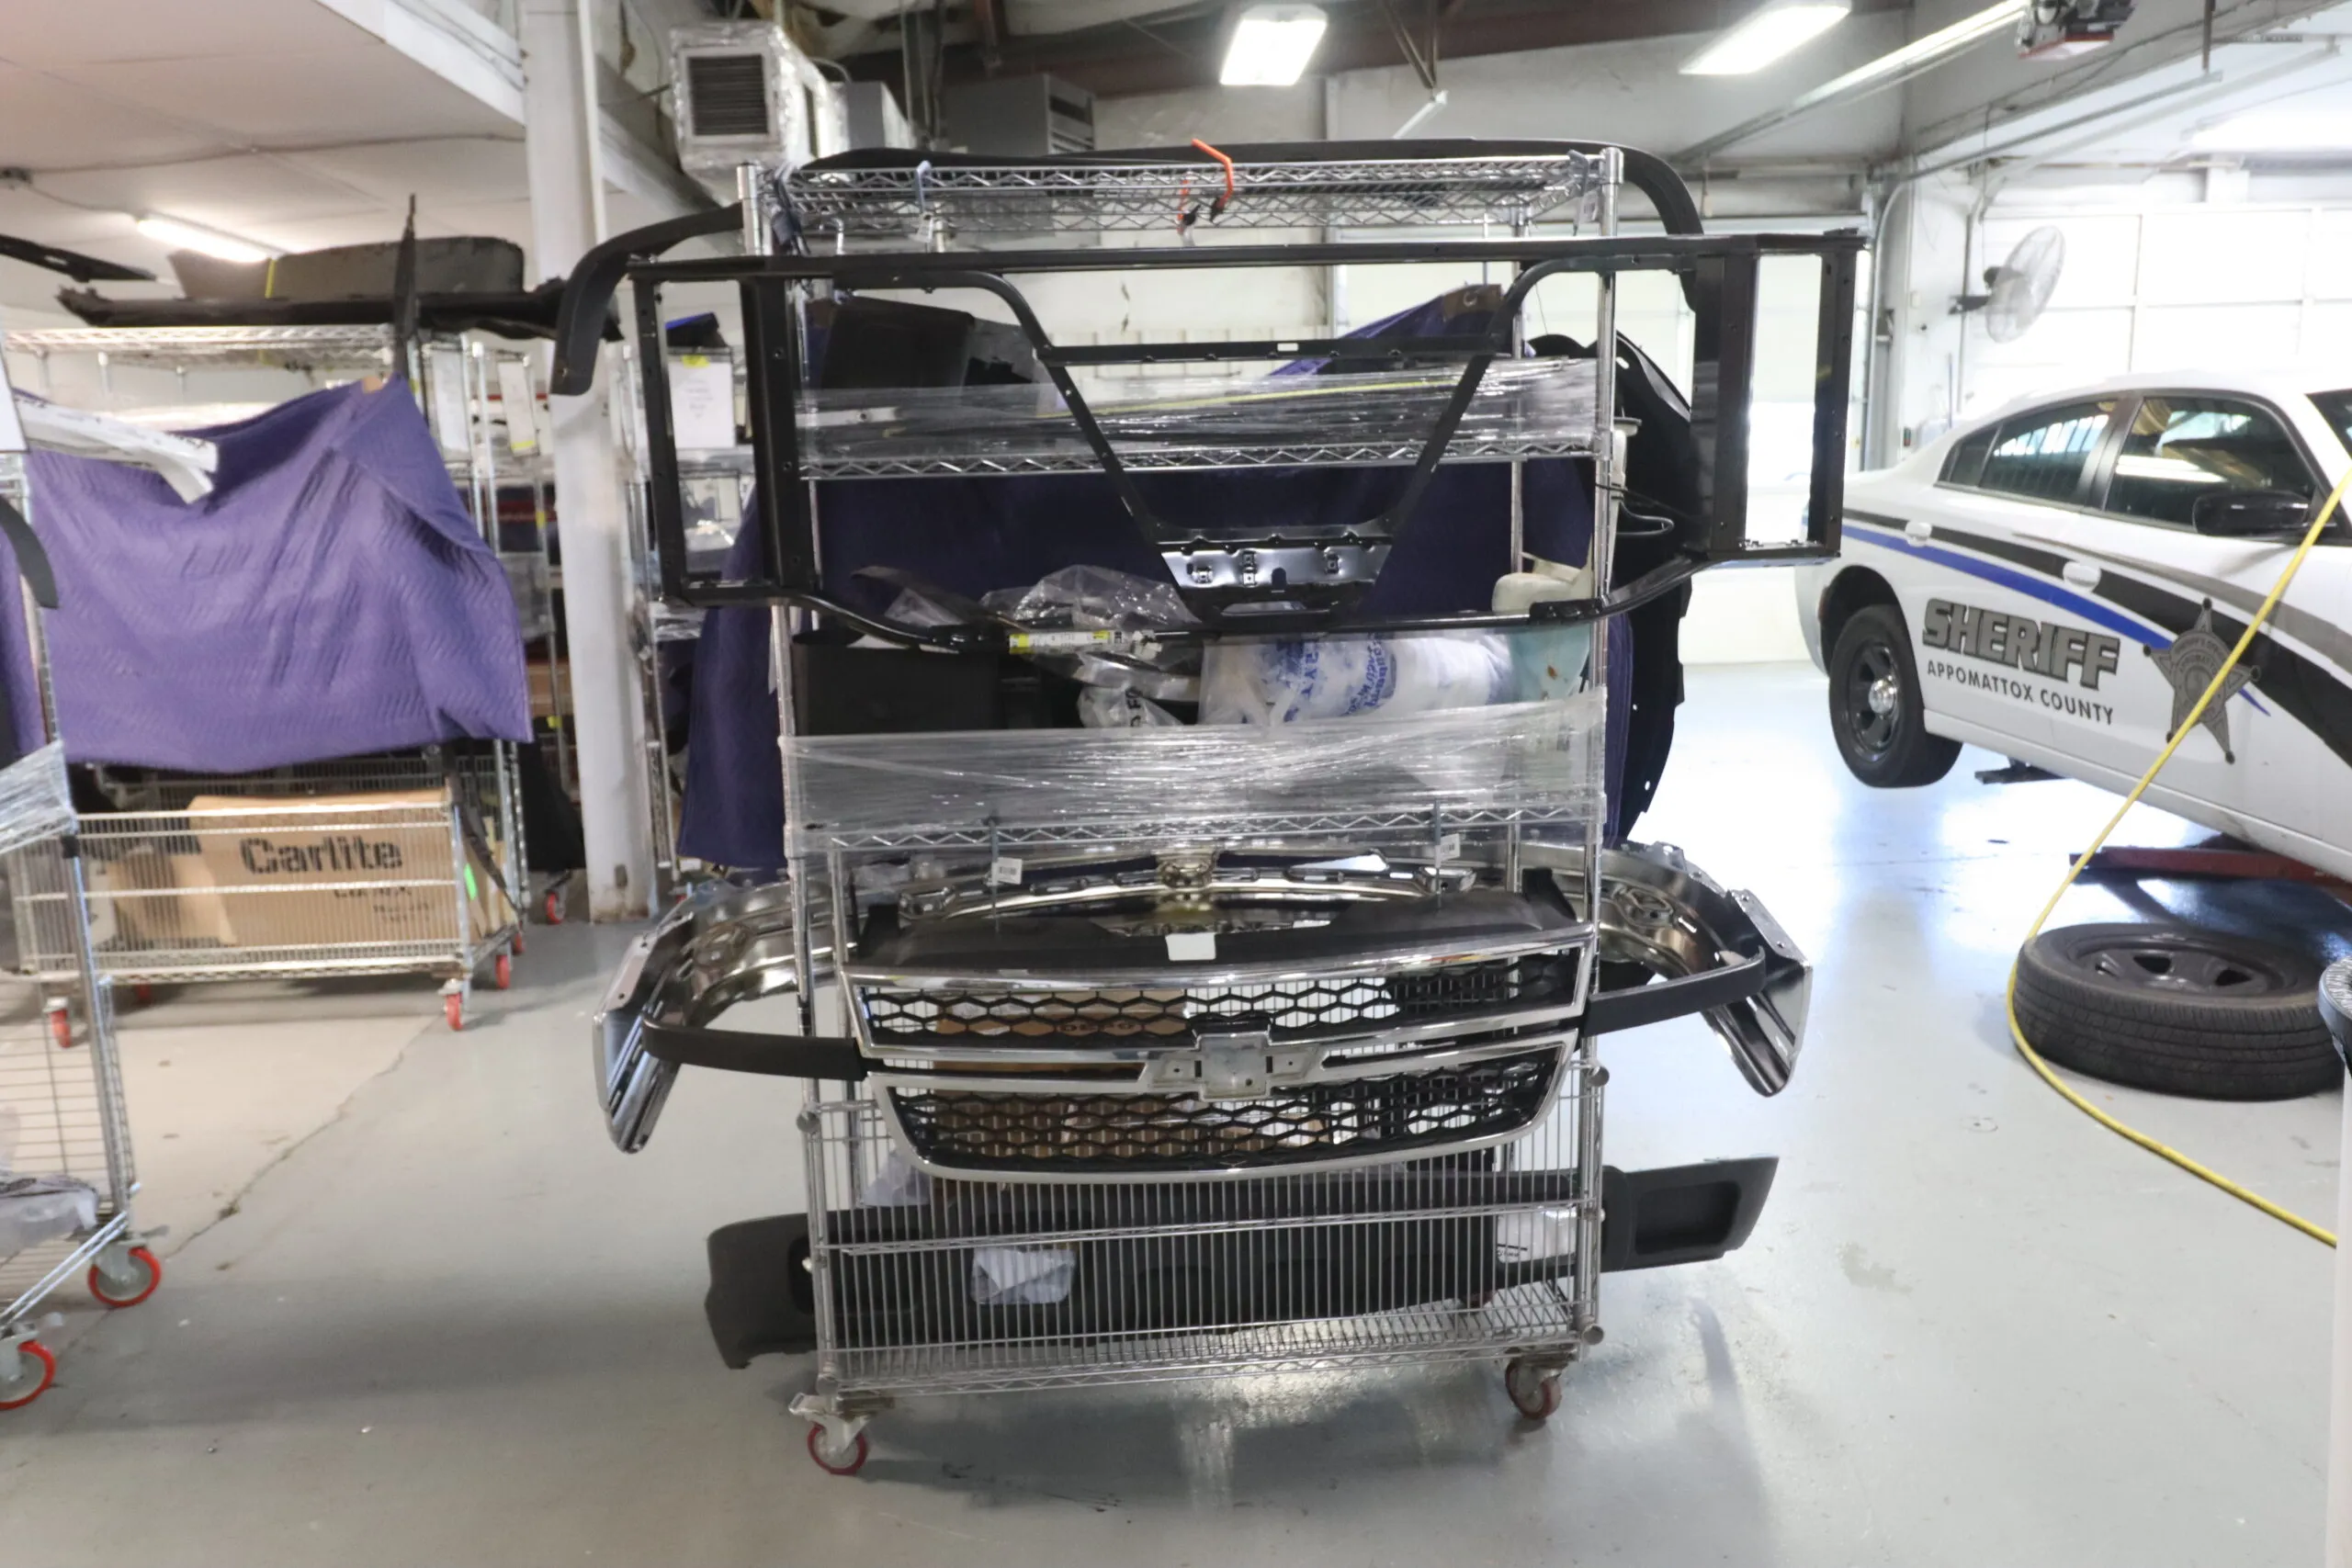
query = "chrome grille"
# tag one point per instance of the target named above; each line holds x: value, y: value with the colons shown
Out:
x: 1078, y: 1134
x: 1292, y: 1010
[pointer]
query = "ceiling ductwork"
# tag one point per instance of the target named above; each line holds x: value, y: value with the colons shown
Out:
x: 1119, y: 47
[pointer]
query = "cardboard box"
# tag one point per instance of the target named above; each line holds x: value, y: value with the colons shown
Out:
x: 543, y: 691
x: 160, y: 896
x: 352, y: 871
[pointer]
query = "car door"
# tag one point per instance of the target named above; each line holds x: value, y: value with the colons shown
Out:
x: 2262, y: 755
x: 1995, y: 647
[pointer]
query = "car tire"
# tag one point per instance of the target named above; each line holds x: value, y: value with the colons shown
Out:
x: 1875, y: 706
x: 2178, y: 1009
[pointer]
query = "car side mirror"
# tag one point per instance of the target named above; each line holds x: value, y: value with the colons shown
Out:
x: 2250, y: 513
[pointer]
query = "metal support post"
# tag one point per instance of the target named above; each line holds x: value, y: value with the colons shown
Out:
x: 560, y: 151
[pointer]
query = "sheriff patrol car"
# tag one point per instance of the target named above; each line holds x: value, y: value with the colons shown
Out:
x: 2060, y: 580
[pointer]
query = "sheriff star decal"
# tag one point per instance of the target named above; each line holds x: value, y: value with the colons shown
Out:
x: 2190, y: 665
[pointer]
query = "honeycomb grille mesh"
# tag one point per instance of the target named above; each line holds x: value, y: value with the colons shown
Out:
x: 1093, y: 1134
x: 1296, y: 1008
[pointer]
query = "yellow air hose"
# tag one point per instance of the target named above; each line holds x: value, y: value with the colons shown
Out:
x: 2034, y: 1057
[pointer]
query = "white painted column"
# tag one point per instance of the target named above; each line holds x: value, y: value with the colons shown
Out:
x: 561, y: 147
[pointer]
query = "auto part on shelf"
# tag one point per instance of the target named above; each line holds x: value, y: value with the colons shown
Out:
x: 1350, y: 998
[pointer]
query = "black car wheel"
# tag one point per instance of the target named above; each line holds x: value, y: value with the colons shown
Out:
x: 2178, y: 1009
x: 1875, y: 706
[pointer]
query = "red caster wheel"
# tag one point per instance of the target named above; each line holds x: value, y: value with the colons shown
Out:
x: 553, y: 907
x: 38, y: 1370
x: 1534, y: 1390
x: 137, y: 1288
x: 515, y: 947
x: 502, y: 972
x: 453, y: 1007
x: 61, y: 1027
x: 143, y: 995
x: 836, y: 1459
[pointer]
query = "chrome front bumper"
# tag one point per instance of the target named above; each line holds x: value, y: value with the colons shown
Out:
x: 1713, y: 953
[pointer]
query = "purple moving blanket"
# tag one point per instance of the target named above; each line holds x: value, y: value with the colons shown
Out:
x: 331, y: 597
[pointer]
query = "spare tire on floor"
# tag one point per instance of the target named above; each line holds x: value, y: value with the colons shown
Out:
x: 2178, y: 1009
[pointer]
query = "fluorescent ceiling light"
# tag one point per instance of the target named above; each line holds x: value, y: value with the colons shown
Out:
x: 2279, y: 131
x: 1777, y: 28
x: 210, y: 241
x: 1932, y: 49
x: 1897, y: 65
x: 1272, y: 45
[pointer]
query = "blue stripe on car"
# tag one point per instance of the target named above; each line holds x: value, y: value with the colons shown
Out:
x: 2033, y: 587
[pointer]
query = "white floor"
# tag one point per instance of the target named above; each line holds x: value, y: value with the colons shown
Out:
x: 419, y: 1311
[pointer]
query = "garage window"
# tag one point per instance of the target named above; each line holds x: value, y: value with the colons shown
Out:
x: 2180, y: 448
x: 2040, y: 456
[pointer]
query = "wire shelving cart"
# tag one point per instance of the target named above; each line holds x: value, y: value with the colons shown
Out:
x: 1209, y: 1049
x: 66, y: 1173
x: 171, y: 885
x: 715, y: 484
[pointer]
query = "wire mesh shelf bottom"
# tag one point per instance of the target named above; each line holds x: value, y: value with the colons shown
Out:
x: 1524, y: 1318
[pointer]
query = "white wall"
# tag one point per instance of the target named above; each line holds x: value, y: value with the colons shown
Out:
x: 2162, y: 284
x: 1928, y: 263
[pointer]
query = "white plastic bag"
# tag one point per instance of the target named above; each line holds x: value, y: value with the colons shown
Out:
x: 1099, y: 707
x: 1022, y: 1276
x: 1284, y: 682
x: 35, y: 1209
x: 896, y: 1185
x: 1530, y: 1236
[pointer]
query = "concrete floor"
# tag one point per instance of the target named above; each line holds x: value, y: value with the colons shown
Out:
x: 442, y: 1321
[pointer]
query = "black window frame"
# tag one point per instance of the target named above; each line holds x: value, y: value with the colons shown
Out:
x: 2091, y: 458
x: 1959, y: 455
x: 2128, y: 412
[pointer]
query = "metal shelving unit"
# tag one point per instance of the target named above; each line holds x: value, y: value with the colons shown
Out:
x: 939, y: 197
x: 64, y: 1127
x: 448, y: 927
x: 1350, y: 1114
x: 721, y: 477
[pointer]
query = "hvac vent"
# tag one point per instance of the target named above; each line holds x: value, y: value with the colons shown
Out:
x: 746, y: 95
x: 1021, y: 117
x: 728, y: 94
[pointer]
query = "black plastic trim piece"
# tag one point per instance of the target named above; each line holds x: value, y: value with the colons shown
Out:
x: 761, y: 1299
x: 1680, y: 1213
x: 588, y: 293
x: 1610, y: 1011
x: 825, y: 1057
x: 32, y: 561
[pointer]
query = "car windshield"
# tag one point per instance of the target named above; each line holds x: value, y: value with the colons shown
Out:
x: 2337, y: 409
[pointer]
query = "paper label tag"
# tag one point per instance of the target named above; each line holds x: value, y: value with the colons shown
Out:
x: 1449, y: 847
x: 1191, y: 947
x: 1137, y: 644
x: 521, y: 405
x: 702, y: 403
x: 1004, y: 871
x: 1056, y: 642
x: 445, y: 382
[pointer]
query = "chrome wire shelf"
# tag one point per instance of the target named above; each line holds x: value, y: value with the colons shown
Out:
x: 1082, y: 460
x: 1108, y: 197
x: 1391, y: 1265
x: 1114, y: 832
x: 296, y: 348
